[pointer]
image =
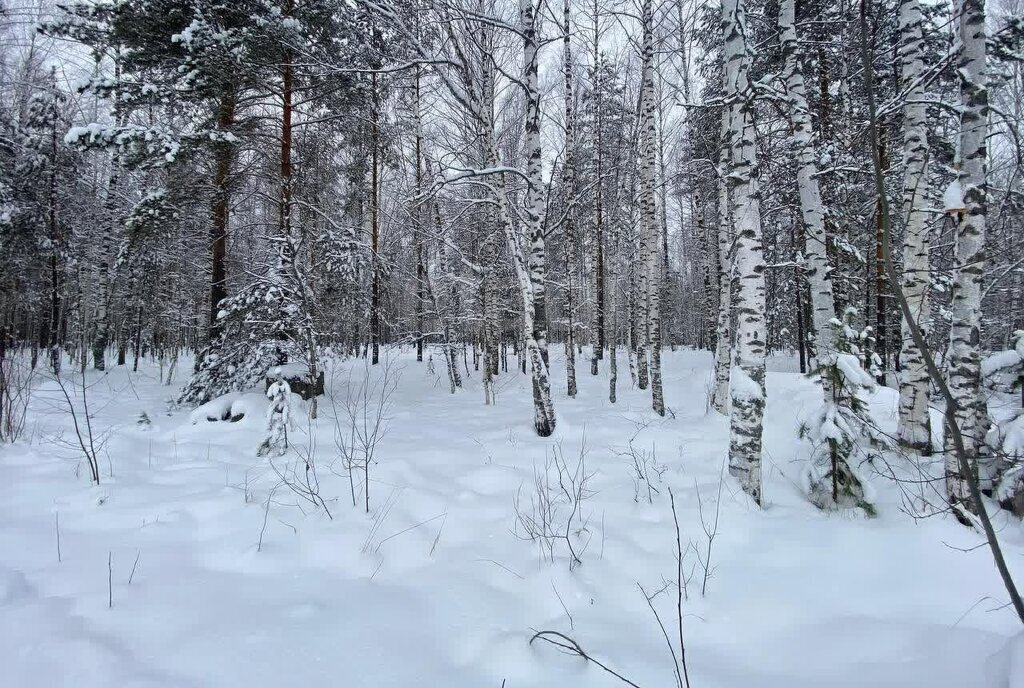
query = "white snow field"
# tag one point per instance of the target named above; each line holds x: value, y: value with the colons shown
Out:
x: 434, y: 588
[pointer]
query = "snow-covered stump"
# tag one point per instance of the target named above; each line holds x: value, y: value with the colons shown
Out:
x: 1003, y: 372
x: 298, y: 380
x: 278, y: 416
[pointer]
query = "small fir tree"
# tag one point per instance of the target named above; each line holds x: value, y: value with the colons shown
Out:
x: 840, y: 426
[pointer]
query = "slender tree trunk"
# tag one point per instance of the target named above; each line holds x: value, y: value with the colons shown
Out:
x: 53, y: 342
x: 969, y: 252
x: 598, y: 335
x: 417, y: 211
x: 747, y: 381
x: 881, y: 324
x: 536, y: 316
x: 653, y: 267
x: 723, y: 345
x: 613, y: 341
x: 374, y: 229
x: 812, y: 209
x: 569, y: 183
x: 914, y: 429
x: 101, y: 325
x: 223, y: 156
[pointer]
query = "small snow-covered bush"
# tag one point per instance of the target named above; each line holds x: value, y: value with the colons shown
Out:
x: 838, y: 428
x: 1003, y: 371
x: 15, y: 393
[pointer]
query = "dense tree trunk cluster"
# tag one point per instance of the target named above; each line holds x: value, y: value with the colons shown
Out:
x: 257, y: 183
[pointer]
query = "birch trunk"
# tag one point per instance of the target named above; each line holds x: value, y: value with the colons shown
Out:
x: 747, y: 380
x: 649, y: 209
x: 812, y: 211
x: 914, y: 429
x: 969, y: 252
x: 723, y: 346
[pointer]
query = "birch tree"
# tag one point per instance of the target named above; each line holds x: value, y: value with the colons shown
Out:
x: 534, y: 288
x: 747, y: 378
x: 724, y: 233
x: 652, y: 279
x: 914, y: 428
x: 969, y: 252
x: 812, y: 210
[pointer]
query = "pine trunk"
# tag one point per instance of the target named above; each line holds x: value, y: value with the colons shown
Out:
x: 220, y: 212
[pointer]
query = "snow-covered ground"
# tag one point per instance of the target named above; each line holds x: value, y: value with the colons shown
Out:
x: 433, y: 587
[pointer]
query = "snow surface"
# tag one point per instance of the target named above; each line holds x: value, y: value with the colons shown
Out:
x: 433, y: 589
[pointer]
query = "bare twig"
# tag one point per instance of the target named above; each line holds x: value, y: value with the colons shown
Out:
x: 570, y: 646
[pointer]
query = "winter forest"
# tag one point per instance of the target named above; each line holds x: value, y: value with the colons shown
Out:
x: 512, y: 343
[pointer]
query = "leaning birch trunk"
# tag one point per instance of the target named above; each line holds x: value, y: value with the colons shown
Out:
x: 649, y: 209
x: 914, y: 429
x: 723, y: 346
x: 812, y: 209
x: 969, y: 252
x: 747, y: 380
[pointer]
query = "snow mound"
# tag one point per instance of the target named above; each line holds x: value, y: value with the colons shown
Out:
x: 999, y: 361
x: 233, y: 407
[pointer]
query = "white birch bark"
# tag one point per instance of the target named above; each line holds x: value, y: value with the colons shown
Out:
x: 914, y: 427
x: 532, y: 282
x: 969, y: 251
x: 747, y: 380
x: 723, y: 346
x: 812, y: 209
x: 649, y: 209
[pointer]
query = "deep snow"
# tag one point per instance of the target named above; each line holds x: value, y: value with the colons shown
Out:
x: 433, y: 588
